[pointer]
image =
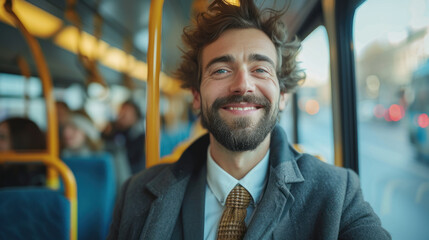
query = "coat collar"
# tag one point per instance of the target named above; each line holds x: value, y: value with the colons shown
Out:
x: 283, y: 158
x: 191, y: 160
x: 277, y: 199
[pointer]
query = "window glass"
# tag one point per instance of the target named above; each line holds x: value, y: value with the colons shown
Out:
x: 286, y: 119
x: 102, y: 108
x: 314, y: 97
x: 392, y: 79
x: 22, y: 97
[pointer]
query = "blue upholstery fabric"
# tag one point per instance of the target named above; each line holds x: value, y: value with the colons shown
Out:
x: 33, y: 213
x: 171, y: 138
x: 96, y: 192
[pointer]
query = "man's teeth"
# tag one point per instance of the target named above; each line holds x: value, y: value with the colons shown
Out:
x: 242, y: 108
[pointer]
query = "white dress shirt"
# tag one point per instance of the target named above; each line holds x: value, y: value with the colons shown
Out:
x: 220, y: 183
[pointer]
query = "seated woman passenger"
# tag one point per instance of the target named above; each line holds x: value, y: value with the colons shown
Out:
x: 80, y: 136
x: 21, y: 134
x: 82, y: 139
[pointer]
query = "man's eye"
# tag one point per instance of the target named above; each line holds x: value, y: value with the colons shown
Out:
x: 220, y: 71
x: 260, y: 70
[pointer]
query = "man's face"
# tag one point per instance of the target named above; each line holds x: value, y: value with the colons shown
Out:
x: 239, y: 93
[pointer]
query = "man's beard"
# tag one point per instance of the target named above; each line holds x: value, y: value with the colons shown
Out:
x: 242, y: 134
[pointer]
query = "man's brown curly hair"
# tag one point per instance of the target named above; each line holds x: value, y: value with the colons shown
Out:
x: 221, y: 16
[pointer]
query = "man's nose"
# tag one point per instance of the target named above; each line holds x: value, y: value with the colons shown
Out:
x: 242, y: 83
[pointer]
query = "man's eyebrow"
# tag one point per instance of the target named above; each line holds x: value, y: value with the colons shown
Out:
x: 260, y: 57
x: 224, y: 58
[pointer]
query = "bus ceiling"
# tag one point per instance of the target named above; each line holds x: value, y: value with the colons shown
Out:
x: 122, y: 46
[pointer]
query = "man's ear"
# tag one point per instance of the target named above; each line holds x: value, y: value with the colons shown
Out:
x: 196, y: 103
x: 284, y: 97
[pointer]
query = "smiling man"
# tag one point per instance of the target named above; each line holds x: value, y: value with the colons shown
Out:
x: 239, y: 98
x: 242, y: 180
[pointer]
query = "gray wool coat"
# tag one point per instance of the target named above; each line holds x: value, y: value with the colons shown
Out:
x: 304, y: 199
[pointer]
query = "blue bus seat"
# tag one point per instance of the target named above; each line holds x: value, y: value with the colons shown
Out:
x: 96, y: 193
x: 34, y: 213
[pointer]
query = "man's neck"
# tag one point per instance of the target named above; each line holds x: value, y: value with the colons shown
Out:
x: 238, y: 164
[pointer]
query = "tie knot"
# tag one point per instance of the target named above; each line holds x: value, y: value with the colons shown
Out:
x: 239, y: 197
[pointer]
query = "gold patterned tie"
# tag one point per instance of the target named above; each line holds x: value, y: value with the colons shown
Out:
x: 232, y: 225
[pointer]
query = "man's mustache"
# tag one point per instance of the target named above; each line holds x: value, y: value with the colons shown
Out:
x: 253, y: 99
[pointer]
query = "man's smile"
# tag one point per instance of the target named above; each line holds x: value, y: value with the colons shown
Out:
x: 241, y: 107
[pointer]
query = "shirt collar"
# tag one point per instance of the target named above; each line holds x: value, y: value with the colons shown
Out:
x: 221, y: 183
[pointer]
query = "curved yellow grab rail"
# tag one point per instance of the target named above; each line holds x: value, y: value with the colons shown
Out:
x: 42, y: 67
x: 154, y: 66
x: 65, y: 173
x: 197, y: 131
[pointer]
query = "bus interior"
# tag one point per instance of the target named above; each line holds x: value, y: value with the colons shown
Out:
x: 364, y: 103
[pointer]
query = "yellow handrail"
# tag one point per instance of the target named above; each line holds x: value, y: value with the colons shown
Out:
x: 66, y: 175
x: 52, y: 130
x: 154, y: 63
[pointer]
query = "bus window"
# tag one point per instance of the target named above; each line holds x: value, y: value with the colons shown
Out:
x: 22, y: 97
x: 391, y: 43
x: 315, y: 132
x: 286, y: 119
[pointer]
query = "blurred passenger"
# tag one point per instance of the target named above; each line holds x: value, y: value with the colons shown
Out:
x: 18, y: 133
x: 5, y: 141
x: 21, y: 134
x: 80, y: 136
x: 63, y: 113
x: 128, y: 132
x: 82, y: 139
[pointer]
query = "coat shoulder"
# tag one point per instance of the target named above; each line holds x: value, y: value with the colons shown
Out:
x: 314, y: 169
x: 331, y: 198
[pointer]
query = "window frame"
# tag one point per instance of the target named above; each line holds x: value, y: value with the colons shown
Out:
x: 337, y: 17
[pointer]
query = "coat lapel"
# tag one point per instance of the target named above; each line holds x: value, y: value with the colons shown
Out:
x: 169, y: 188
x: 272, y: 209
x: 277, y: 199
x: 165, y: 209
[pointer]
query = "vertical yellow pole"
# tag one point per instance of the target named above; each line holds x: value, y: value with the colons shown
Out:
x: 154, y: 64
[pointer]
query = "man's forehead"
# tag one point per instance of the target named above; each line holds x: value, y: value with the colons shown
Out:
x: 251, y: 44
